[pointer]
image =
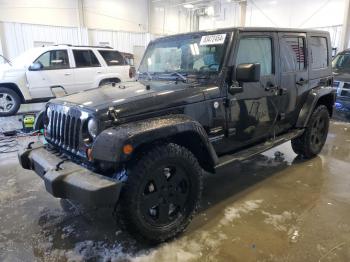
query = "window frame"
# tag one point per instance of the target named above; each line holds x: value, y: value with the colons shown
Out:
x: 86, y: 50
x: 257, y: 35
x: 54, y: 50
x: 306, y: 64
x: 312, y: 55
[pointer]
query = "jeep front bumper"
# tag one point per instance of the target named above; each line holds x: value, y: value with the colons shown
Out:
x: 69, y: 180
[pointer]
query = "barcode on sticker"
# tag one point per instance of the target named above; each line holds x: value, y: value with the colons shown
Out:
x: 213, y: 39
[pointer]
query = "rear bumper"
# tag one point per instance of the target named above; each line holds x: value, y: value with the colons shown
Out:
x: 69, y: 180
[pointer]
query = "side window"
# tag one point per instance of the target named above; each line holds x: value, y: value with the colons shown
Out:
x: 85, y: 58
x: 319, y: 52
x: 256, y: 50
x: 56, y: 59
x: 293, y: 54
x: 112, y: 58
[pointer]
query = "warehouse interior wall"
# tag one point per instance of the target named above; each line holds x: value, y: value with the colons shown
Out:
x: 18, y: 37
x: 295, y: 14
x: 123, y: 24
x: 46, y: 12
x: 169, y: 19
x: 121, y: 15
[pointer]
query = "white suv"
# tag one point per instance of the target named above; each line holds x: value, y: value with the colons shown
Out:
x: 40, y: 73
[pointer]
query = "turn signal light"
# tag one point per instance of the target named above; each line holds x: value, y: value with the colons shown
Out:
x: 89, y: 154
x: 127, y: 149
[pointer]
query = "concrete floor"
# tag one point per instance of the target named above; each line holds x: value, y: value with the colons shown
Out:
x: 15, y: 122
x: 265, y: 209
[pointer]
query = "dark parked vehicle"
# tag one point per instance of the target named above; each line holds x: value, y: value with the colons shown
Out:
x: 202, y: 100
x: 341, y: 72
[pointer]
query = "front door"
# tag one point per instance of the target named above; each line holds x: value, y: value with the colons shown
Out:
x: 294, y: 76
x: 55, y: 71
x: 252, y: 115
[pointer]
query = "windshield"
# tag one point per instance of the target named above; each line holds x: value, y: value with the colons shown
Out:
x: 342, y: 61
x: 200, y: 53
x: 3, y: 60
x: 26, y: 58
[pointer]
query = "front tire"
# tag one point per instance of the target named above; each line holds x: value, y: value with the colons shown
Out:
x: 313, y: 139
x: 9, y: 102
x: 162, y: 193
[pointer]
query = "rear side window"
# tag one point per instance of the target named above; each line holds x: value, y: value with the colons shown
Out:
x: 112, y: 58
x: 85, y: 58
x: 293, y: 54
x: 55, y: 59
x: 130, y: 61
x: 256, y: 50
x: 319, y: 52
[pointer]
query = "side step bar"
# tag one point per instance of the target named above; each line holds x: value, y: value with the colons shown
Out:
x: 258, y: 149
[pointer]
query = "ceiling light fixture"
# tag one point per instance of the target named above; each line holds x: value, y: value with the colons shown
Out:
x: 188, y: 6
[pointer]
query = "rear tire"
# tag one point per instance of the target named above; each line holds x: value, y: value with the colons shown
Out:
x: 313, y: 139
x: 9, y: 102
x: 162, y: 193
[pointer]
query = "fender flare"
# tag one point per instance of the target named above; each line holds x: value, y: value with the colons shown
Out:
x: 107, y: 76
x: 310, y: 103
x: 109, y: 144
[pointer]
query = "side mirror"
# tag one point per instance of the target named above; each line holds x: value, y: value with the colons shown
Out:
x: 248, y: 73
x: 35, y: 66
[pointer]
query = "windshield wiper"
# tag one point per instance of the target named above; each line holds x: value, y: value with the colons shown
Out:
x: 183, y: 78
x: 171, y: 75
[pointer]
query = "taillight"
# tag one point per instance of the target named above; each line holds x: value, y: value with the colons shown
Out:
x: 132, y: 71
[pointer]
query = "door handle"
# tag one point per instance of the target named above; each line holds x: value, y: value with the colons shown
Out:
x: 301, y: 82
x: 99, y: 72
x: 271, y: 87
x: 67, y: 74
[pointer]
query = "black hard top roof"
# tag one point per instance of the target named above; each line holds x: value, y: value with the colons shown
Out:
x: 252, y: 29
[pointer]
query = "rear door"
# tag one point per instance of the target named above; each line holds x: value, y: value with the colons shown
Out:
x: 56, y: 71
x: 87, y: 69
x: 294, y: 77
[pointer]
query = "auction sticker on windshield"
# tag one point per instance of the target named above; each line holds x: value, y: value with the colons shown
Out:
x: 213, y: 39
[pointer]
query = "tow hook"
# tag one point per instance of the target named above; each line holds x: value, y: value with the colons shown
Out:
x: 58, y: 166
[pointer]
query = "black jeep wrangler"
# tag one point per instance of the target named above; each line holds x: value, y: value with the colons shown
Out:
x: 202, y: 100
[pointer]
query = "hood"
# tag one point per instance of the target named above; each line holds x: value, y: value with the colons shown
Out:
x: 7, y: 71
x: 3, y: 69
x: 132, y: 98
x: 342, y: 75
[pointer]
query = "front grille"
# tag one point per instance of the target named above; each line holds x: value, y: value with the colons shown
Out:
x: 65, y: 128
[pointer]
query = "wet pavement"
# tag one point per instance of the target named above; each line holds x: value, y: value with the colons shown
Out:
x: 273, y: 207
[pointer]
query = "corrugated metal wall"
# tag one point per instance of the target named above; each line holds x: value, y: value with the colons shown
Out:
x: 123, y: 41
x: 17, y: 37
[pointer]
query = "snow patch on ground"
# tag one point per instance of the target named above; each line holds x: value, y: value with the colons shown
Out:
x: 96, y: 250
x: 278, y: 221
x: 232, y: 213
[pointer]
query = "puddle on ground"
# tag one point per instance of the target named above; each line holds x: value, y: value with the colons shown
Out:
x: 273, y: 207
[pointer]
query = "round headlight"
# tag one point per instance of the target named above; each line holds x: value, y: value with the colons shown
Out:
x: 92, y: 127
